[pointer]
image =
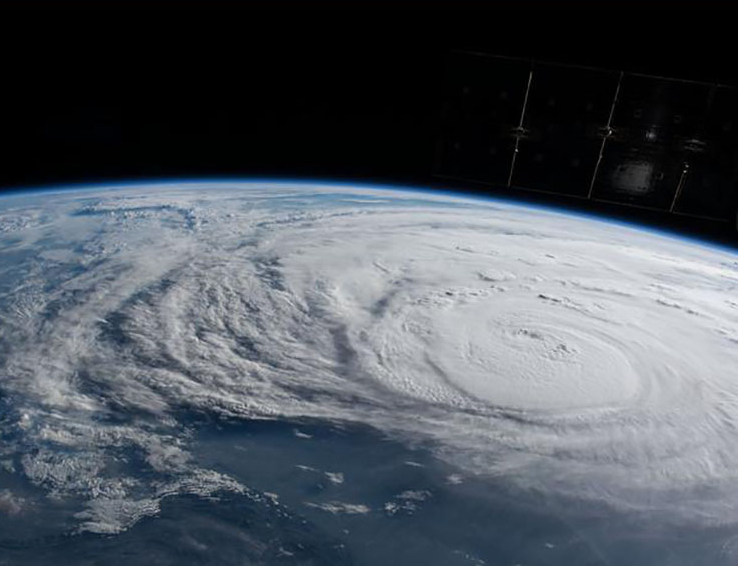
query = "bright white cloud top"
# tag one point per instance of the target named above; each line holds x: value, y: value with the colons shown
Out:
x: 556, y: 352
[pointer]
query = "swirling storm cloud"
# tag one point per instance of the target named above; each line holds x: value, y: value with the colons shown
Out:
x: 560, y: 354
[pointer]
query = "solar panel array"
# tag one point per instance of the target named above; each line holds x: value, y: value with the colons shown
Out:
x: 628, y: 138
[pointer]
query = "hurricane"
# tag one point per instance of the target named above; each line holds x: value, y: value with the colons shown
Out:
x: 556, y: 353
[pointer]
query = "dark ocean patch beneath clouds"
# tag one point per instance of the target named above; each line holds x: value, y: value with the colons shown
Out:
x: 384, y: 502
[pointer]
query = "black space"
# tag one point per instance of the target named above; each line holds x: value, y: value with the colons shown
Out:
x: 117, y: 94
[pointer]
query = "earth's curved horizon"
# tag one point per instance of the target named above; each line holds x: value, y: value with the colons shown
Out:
x: 317, y: 373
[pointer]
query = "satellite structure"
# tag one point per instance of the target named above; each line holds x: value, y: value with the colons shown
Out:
x: 632, y: 139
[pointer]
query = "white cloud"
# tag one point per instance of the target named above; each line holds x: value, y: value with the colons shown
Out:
x: 10, y: 504
x: 341, y: 508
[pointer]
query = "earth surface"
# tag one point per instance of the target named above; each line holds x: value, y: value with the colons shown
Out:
x: 283, y: 373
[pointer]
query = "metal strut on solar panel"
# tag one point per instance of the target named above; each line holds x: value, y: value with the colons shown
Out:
x: 605, y: 133
x: 680, y: 185
x: 691, y: 147
x: 520, y: 131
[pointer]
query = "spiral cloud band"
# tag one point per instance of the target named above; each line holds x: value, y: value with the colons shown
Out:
x: 555, y: 352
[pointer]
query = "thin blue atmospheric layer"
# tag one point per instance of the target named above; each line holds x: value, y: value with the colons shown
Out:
x: 452, y: 193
